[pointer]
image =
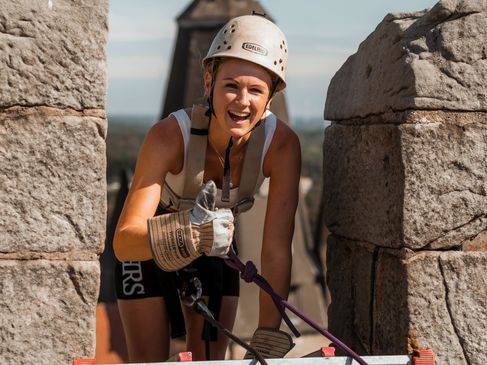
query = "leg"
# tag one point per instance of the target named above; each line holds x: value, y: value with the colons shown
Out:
x: 146, y: 328
x: 194, y: 328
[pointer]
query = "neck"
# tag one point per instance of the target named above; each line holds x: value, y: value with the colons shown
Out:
x: 219, y: 141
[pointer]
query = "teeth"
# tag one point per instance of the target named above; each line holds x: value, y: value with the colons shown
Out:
x: 240, y: 114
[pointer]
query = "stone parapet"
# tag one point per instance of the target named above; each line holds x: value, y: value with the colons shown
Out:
x: 433, y: 60
x: 47, y: 310
x: 53, y: 196
x: 405, y: 186
x: 417, y: 180
x: 53, y: 53
x: 52, y: 177
x: 395, y: 300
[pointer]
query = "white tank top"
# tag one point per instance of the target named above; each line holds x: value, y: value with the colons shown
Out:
x: 176, y: 182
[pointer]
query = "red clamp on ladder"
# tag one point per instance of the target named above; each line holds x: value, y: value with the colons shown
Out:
x: 84, y: 362
x: 181, y: 357
x: 423, y: 357
x: 328, y: 351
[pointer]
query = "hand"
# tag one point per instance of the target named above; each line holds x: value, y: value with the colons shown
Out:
x: 177, y: 239
x: 204, y: 218
x: 271, y: 343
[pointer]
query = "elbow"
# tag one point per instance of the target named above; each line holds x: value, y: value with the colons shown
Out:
x: 118, y: 246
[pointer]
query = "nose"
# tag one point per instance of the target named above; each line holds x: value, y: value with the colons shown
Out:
x: 243, y: 97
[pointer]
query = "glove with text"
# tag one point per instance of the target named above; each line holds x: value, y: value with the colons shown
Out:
x: 176, y: 239
x: 271, y: 343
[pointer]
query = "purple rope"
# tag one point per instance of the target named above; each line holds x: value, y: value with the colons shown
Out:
x: 248, y: 272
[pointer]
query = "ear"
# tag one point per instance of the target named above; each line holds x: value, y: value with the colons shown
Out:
x: 207, y: 81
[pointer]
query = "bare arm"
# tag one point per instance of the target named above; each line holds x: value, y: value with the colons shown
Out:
x: 162, y: 151
x: 283, y: 165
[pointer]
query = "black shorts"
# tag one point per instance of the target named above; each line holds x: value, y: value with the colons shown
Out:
x: 144, y: 279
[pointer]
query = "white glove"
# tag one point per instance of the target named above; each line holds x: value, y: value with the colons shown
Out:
x: 177, y: 239
x: 271, y: 343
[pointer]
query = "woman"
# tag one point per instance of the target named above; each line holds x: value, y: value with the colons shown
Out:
x: 243, y: 70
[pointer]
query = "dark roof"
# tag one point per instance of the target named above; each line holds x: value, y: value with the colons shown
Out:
x: 211, y: 12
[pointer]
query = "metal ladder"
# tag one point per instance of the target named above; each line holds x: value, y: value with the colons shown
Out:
x: 418, y: 357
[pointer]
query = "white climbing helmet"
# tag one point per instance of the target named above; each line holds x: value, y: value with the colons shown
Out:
x: 253, y: 38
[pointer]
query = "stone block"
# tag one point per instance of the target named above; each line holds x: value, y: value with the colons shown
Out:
x: 47, y: 311
x: 445, y: 167
x: 429, y: 299
x: 53, y: 53
x: 350, y: 280
x: 434, y: 60
x: 363, y: 183
x: 418, y: 183
x: 53, y: 196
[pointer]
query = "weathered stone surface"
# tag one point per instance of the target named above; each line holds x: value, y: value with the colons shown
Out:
x: 350, y: 279
x: 53, y: 196
x: 421, y: 182
x: 465, y: 281
x: 47, y: 311
x: 445, y: 165
x: 425, y: 60
x: 420, y: 300
x: 447, y: 292
x: 53, y: 53
x: 363, y: 183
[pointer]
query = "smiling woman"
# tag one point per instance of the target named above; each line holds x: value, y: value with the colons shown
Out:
x: 197, y: 169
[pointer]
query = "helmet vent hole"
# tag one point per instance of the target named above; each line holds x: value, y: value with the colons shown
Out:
x: 275, y: 62
x: 233, y: 30
x: 229, y: 47
x: 282, y: 68
x: 280, y: 61
x: 218, y: 47
x: 281, y: 46
x: 224, y: 42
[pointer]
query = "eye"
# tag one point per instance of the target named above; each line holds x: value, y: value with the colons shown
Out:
x: 231, y: 85
x: 256, y: 90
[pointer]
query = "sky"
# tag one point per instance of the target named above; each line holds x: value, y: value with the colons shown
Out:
x: 321, y: 35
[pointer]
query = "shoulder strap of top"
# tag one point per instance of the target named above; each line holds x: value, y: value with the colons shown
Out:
x: 251, y: 165
x: 195, y: 168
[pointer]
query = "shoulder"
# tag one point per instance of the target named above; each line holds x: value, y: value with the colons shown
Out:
x: 284, y: 138
x: 166, y: 132
x: 163, y: 142
x: 284, y: 149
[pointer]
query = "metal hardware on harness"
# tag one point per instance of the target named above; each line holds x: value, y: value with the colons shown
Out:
x: 191, y: 291
x: 191, y: 296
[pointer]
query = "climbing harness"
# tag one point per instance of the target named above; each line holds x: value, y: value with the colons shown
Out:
x: 190, y: 295
x: 195, y: 164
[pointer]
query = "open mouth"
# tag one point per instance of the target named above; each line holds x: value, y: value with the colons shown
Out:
x: 239, y: 117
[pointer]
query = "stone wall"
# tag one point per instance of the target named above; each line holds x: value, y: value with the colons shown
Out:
x: 405, y: 179
x: 52, y: 177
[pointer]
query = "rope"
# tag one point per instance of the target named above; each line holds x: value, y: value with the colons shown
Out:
x: 248, y: 272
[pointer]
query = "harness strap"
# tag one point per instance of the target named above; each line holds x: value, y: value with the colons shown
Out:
x: 195, y: 168
x: 250, y: 173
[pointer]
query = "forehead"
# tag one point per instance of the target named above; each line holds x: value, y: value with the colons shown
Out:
x: 234, y: 68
